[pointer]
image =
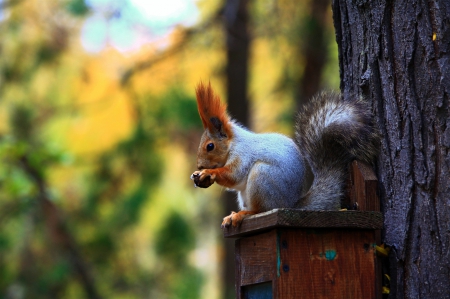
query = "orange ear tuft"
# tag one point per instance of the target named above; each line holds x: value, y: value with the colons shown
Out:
x: 210, y: 106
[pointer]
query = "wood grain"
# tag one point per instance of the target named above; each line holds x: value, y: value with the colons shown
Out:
x: 309, y: 263
x: 364, y: 184
x: 294, y: 218
x: 313, y: 254
x: 255, y: 260
x: 324, y: 264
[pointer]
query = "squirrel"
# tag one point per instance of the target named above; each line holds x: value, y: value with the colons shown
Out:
x: 268, y: 170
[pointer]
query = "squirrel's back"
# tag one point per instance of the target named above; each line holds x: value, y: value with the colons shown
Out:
x: 331, y: 133
x: 270, y: 172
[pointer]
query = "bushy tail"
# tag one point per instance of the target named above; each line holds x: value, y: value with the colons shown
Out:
x: 331, y: 133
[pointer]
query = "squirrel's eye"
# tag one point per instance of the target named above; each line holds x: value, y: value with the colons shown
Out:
x: 210, y: 147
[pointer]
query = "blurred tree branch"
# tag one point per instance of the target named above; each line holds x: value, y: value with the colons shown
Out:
x: 57, y: 230
x: 187, y: 35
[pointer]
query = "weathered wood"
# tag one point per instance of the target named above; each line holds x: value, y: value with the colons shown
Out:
x: 294, y: 218
x: 258, y: 255
x: 327, y: 264
x: 309, y: 263
x: 296, y: 253
x: 363, y: 193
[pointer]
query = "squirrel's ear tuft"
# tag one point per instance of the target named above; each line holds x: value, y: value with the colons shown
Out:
x: 212, y: 110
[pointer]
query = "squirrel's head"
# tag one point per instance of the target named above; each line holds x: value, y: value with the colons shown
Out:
x: 215, y: 142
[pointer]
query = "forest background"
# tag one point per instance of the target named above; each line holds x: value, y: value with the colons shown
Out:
x: 99, y: 131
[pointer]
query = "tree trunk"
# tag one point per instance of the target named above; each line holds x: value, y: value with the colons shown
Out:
x: 238, y: 44
x: 237, y: 47
x: 397, y: 55
x: 314, y: 51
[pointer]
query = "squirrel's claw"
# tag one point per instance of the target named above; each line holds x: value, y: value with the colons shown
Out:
x: 228, y: 220
x: 234, y: 219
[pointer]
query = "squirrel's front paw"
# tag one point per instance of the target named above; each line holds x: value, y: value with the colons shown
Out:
x: 202, y: 179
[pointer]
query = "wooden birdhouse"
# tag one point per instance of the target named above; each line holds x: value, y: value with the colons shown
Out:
x: 289, y: 253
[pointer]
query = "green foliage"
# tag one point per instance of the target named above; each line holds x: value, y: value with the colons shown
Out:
x: 22, y: 121
x: 47, y: 53
x: 77, y: 7
x: 187, y: 284
x: 125, y: 176
x: 178, y: 111
x: 100, y: 198
x: 173, y: 243
x: 116, y: 186
x: 23, y: 141
x: 135, y: 159
x: 101, y: 246
x: 175, y: 240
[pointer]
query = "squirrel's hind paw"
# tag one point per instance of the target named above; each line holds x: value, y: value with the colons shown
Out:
x: 228, y: 220
x: 235, y: 219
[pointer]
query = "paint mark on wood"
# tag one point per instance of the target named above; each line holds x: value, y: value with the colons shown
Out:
x: 330, y: 255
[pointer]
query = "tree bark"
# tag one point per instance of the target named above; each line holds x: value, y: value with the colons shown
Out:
x: 237, y: 48
x: 397, y: 55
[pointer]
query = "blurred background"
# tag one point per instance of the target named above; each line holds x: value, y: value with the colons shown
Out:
x: 99, y: 131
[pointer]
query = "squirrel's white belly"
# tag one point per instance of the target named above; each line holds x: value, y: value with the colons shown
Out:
x: 243, y: 201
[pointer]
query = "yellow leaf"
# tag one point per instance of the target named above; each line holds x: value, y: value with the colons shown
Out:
x: 382, y: 251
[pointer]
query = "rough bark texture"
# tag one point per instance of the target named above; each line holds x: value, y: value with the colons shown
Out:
x: 397, y: 55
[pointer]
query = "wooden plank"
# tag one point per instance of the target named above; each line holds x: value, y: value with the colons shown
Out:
x: 324, y: 263
x: 363, y: 194
x: 364, y: 187
x: 295, y: 218
x: 238, y: 264
x: 256, y: 260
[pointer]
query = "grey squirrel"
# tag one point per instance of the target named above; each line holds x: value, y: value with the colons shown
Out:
x: 268, y: 170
